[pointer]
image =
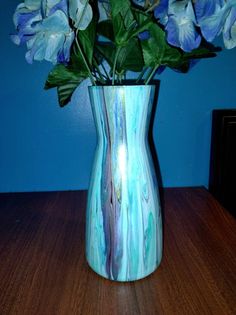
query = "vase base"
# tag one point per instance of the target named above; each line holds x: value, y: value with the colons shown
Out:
x: 126, y: 280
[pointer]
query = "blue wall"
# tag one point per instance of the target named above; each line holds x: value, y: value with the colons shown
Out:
x: 44, y: 147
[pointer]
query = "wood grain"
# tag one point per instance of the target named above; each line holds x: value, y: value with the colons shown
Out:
x: 43, y: 269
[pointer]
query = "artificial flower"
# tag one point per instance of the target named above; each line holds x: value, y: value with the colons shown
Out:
x: 216, y: 18
x: 229, y: 30
x: 181, y: 25
x: 161, y: 11
x: 52, y: 40
x: 81, y: 13
x: 45, y: 28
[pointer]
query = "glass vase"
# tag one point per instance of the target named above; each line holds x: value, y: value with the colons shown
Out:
x: 123, y: 216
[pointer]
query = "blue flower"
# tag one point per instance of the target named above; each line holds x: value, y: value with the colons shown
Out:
x: 52, y: 40
x: 216, y: 18
x: 204, y: 8
x: 49, y: 7
x: 181, y: 25
x: 229, y: 30
x: 24, y: 16
x: 44, y: 26
x: 161, y: 11
x: 81, y: 13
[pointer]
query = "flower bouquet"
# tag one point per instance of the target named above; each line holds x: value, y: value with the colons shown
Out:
x: 103, y: 40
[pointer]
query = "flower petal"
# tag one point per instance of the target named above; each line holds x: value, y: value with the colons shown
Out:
x: 205, y: 8
x: 161, y: 10
x: 181, y: 30
x: 23, y: 20
x: 32, y: 4
x: 229, y: 31
x: 81, y: 13
x: 184, y: 36
x: 212, y: 25
x: 61, y: 5
x: 173, y: 32
x: 44, y: 26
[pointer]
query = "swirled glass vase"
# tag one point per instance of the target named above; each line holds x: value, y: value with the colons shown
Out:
x: 123, y: 217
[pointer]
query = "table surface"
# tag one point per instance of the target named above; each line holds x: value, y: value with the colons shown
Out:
x: 43, y: 269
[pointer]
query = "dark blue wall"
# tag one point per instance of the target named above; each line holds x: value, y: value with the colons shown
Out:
x: 44, y: 147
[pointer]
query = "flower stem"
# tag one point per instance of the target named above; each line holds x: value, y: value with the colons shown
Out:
x: 141, y: 75
x: 151, y: 74
x: 114, y: 65
x: 98, y: 71
x: 153, y: 6
x: 105, y: 71
x: 84, y: 60
x: 83, y: 12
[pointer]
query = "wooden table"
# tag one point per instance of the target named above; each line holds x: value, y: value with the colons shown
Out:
x: 43, y: 269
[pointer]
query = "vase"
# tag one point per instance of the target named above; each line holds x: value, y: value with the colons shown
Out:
x: 123, y: 216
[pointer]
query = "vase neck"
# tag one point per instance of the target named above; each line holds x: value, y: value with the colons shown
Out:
x: 122, y: 111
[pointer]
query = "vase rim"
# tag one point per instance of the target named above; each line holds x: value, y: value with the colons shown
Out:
x: 122, y: 85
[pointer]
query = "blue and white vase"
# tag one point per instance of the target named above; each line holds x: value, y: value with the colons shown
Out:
x: 123, y: 218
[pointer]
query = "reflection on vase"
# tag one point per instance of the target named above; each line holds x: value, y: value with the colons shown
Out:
x: 123, y: 219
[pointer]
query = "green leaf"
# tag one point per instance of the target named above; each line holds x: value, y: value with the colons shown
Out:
x: 201, y: 52
x: 125, y: 47
x: 119, y: 30
x: 122, y: 20
x: 108, y: 52
x: 98, y: 57
x: 59, y: 76
x: 119, y: 7
x: 181, y: 61
x: 87, y: 39
x: 144, y: 21
x: 130, y: 57
x: 65, y: 92
x: 66, y: 79
x: 155, y: 48
x: 105, y: 28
